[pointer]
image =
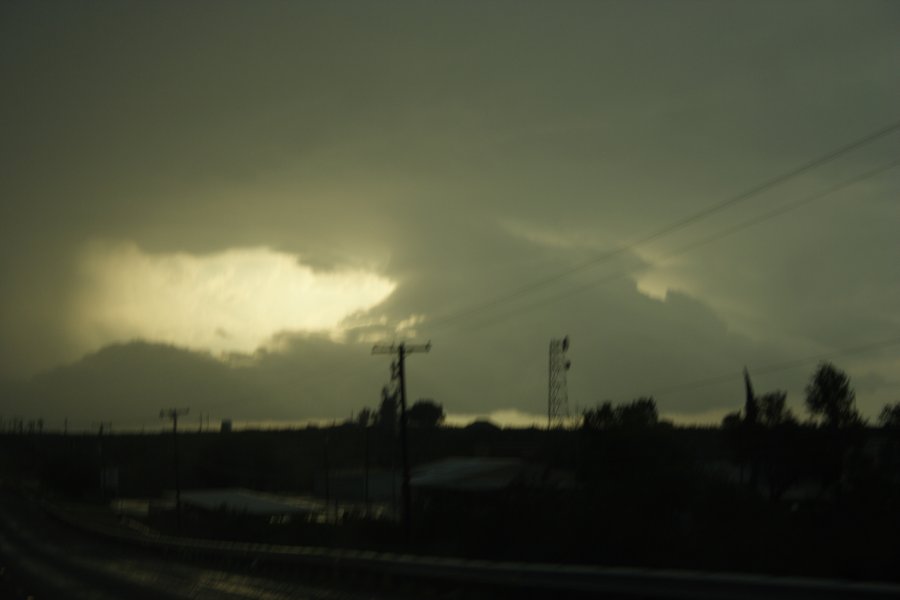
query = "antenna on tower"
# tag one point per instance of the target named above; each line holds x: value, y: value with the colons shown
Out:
x: 558, y: 396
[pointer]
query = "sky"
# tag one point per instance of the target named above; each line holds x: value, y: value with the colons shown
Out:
x: 224, y: 205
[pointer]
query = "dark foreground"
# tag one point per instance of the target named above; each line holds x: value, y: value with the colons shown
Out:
x: 44, y: 558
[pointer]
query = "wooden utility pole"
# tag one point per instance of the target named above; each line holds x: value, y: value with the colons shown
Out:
x: 366, y: 464
x: 398, y: 373
x: 174, y: 413
x: 327, y: 476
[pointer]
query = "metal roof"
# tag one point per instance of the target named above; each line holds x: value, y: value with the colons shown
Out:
x: 472, y: 474
x: 248, y: 501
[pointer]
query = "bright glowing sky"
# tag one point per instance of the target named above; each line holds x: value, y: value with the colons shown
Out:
x: 231, y: 301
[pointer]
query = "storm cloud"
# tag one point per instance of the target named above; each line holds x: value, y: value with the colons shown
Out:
x: 457, y: 152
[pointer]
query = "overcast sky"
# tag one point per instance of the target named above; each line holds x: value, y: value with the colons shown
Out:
x: 223, y: 205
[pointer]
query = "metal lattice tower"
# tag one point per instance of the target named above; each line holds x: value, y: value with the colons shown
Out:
x: 558, y: 397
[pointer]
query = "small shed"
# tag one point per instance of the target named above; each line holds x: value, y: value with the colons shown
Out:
x: 248, y: 502
x: 469, y: 474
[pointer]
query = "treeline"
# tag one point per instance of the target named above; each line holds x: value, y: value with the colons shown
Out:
x: 768, y: 491
x: 423, y: 414
x: 832, y: 452
x: 765, y: 492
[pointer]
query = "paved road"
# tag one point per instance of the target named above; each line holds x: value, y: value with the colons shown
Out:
x: 46, y: 559
x: 58, y: 561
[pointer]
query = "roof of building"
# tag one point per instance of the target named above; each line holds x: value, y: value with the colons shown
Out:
x: 248, y: 501
x: 470, y: 474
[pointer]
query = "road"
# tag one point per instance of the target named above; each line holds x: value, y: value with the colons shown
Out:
x: 44, y: 558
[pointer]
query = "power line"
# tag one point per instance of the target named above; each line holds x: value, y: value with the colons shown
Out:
x: 672, y: 227
x: 707, y: 240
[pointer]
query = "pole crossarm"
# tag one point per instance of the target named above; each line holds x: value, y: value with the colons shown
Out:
x: 173, y: 413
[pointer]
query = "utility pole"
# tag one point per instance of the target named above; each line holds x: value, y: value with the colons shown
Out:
x: 558, y: 395
x: 174, y: 413
x: 366, y: 463
x: 100, y: 459
x: 327, y: 476
x: 398, y: 373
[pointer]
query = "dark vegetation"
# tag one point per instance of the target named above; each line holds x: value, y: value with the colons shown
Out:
x: 765, y: 492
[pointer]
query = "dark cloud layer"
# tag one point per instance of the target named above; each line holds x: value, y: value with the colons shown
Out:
x: 462, y: 150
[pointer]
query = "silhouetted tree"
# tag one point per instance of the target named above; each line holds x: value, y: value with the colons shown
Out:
x: 832, y: 403
x: 732, y: 420
x: 388, y: 413
x: 890, y: 416
x: 762, y: 439
x: 750, y: 433
x: 830, y: 398
x: 779, y: 436
x: 773, y: 409
x: 889, y: 419
x: 365, y: 417
x: 751, y: 406
x: 735, y: 439
x: 425, y: 414
x: 639, y: 413
x: 600, y: 418
x: 738, y: 441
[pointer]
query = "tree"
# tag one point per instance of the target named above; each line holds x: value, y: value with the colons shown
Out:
x: 365, y: 417
x: 778, y: 458
x: 761, y: 439
x: 832, y: 403
x: 731, y: 421
x: 388, y: 415
x: 600, y: 418
x: 638, y: 414
x: 773, y: 409
x: 425, y: 414
x: 889, y: 419
x: 751, y: 405
x: 890, y: 416
x: 830, y: 398
x: 750, y: 433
